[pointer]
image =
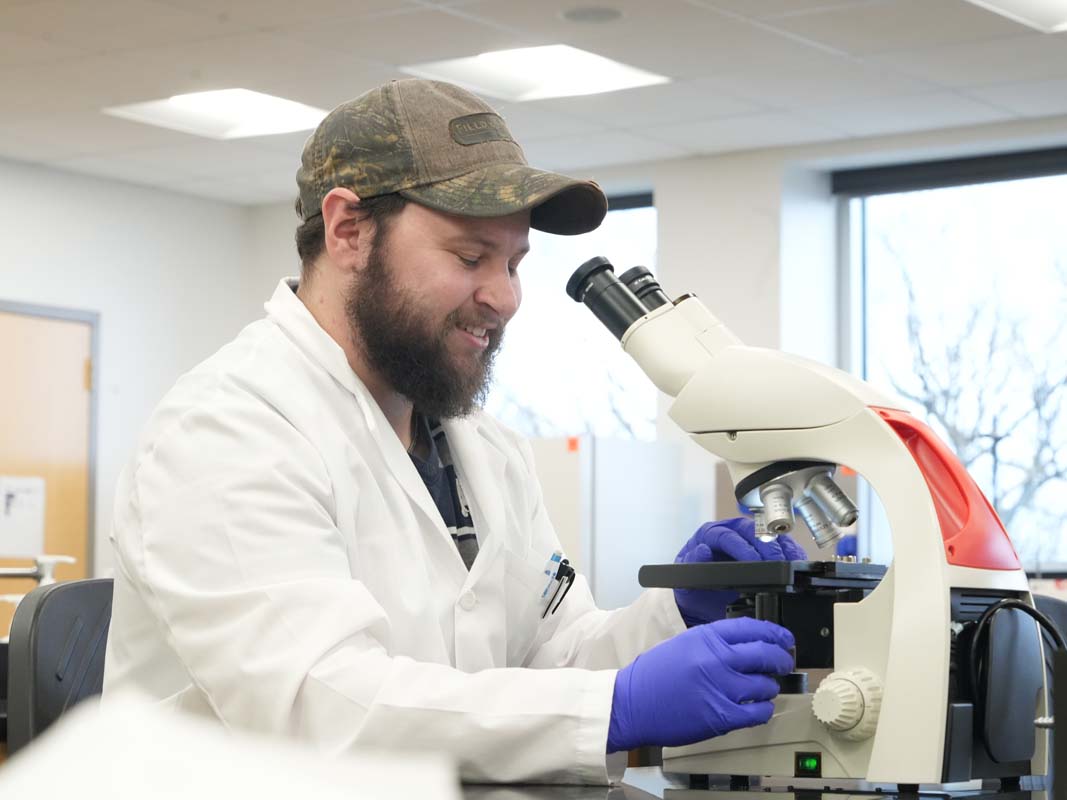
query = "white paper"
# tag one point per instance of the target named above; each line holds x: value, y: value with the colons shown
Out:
x: 21, y: 516
x: 125, y: 750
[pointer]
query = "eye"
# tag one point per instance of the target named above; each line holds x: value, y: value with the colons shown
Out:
x: 468, y: 261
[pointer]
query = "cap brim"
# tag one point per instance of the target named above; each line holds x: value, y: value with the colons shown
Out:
x: 557, y: 204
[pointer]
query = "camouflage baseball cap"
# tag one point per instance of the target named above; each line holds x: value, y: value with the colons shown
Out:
x: 442, y: 147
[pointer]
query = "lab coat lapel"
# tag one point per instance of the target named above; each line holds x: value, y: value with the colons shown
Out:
x: 294, y: 319
x: 289, y: 313
x: 480, y: 467
x: 400, y: 464
x: 481, y: 629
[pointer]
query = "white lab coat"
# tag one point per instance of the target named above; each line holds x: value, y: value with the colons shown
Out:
x: 281, y: 567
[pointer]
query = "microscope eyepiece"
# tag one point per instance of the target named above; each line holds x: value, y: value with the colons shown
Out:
x: 645, y: 287
x: 594, y: 283
x: 581, y: 281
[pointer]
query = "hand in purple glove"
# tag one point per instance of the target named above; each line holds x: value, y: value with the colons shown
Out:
x: 729, y: 540
x: 704, y: 682
x: 846, y: 545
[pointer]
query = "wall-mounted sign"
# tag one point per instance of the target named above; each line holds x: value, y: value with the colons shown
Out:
x: 21, y: 516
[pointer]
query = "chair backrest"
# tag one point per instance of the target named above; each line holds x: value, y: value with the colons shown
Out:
x: 56, y: 654
x: 1055, y: 609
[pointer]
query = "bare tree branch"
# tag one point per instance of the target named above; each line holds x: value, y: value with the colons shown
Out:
x: 970, y: 390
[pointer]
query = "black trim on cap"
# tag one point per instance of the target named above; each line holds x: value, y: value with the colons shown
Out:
x: 575, y: 209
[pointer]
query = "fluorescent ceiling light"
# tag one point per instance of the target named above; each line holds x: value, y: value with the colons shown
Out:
x: 535, y: 73
x: 223, y: 114
x: 1048, y: 16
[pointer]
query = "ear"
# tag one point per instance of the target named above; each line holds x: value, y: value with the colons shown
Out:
x: 348, y: 233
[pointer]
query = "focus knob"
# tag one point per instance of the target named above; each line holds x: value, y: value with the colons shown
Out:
x: 838, y: 703
x: 848, y: 702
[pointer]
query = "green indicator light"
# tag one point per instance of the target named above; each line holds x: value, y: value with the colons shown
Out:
x: 808, y: 765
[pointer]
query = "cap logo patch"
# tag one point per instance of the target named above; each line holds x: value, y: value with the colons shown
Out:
x: 478, y: 128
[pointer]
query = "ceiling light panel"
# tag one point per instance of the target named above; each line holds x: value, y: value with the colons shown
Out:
x: 537, y: 73
x: 223, y: 114
x: 1048, y: 16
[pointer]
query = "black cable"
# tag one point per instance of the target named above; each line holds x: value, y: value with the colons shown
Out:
x: 983, y: 623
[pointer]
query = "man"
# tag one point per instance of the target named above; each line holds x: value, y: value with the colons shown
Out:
x: 320, y: 536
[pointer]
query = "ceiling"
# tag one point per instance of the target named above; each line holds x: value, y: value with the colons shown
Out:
x: 746, y: 74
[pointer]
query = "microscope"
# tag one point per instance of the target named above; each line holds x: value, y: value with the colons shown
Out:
x: 931, y: 670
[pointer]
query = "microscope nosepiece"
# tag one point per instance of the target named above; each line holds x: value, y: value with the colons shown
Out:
x: 777, y: 499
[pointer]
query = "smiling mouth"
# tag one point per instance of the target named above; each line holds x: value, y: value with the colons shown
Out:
x: 479, y: 337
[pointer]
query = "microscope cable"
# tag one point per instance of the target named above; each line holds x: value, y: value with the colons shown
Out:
x: 980, y: 628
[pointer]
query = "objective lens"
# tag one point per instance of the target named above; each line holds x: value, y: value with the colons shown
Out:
x: 760, y: 518
x: 822, y: 529
x: 777, y: 499
x: 833, y: 500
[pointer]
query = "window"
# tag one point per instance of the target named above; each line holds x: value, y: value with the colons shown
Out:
x: 560, y: 372
x: 964, y: 316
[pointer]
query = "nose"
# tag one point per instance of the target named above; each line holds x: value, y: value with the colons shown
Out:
x: 500, y: 291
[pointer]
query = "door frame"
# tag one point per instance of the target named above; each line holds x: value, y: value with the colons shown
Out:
x: 92, y: 319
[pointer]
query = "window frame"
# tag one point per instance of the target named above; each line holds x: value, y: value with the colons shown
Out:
x: 852, y: 188
x: 625, y: 202
x: 945, y: 173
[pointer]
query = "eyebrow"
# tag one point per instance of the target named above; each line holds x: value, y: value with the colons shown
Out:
x: 465, y: 238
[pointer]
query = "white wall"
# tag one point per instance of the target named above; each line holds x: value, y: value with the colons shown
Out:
x: 167, y: 274
x: 273, y: 247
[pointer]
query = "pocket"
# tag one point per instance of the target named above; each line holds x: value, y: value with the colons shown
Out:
x: 525, y: 581
x: 526, y: 578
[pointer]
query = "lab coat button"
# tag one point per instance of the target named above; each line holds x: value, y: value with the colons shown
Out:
x: 467, y: 601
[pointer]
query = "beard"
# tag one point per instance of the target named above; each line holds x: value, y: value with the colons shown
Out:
x: 400, y: 341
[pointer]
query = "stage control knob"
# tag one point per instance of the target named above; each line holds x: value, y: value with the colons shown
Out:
x: 848, y: 703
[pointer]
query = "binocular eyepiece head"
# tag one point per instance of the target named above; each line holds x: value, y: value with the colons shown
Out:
x: 618, y: 303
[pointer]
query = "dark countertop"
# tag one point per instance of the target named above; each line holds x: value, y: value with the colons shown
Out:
x: 639, y: 783
x: 649, y: 783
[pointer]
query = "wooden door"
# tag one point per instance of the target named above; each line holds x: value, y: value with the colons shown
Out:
x: 45, y: 430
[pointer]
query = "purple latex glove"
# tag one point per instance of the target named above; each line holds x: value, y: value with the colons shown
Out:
x: 846, y: 545
x: 728, y: 540
x: 704, y: 682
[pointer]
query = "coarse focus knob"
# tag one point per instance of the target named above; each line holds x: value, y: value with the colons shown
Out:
x: 838, y: 704
x: 848, y: 702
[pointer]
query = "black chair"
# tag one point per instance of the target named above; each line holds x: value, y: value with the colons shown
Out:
x: 55, y: 654
x: 1056, y: 610
x: 3, y: 691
